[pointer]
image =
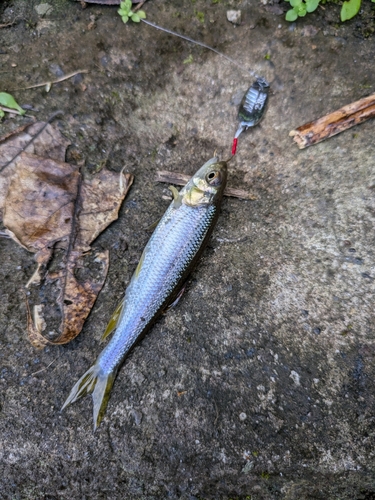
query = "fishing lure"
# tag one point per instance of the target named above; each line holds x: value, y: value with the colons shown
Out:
x: 252, y: 108
x: 167, y: 259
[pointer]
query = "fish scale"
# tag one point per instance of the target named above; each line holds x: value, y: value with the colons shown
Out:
x: 167, y: 259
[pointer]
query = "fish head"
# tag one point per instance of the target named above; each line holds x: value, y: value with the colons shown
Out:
x: 206, y: 187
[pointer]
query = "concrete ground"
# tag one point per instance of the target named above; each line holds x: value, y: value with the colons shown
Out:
x: 259, y: 384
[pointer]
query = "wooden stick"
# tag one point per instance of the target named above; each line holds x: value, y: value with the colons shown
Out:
x: 49, y: 84
x: 14, y: 111
x: 334, y: 123
x: 181, y: 179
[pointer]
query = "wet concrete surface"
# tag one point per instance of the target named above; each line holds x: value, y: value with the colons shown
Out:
x: 259, y: 384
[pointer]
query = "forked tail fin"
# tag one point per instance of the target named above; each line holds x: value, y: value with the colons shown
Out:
x: 97, y: 383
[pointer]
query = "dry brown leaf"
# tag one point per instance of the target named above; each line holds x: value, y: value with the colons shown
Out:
x: 49, y: 144
x: 104, y: 190
x: 52, y: 212
x: 93, y: 211
x: 76, y: 300
x: 40, y: 201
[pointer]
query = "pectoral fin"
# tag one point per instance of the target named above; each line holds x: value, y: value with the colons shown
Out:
x: 176, y: 196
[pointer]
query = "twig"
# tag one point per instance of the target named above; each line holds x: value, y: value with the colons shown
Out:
x: 50, y: 119
x: 138, y: 6
x: 9, y: 24
x: 66, y: 77
x: 182, y: 179
x: 45, y: 368
x: 335, y: 122
x: 239, y: 65
x: 11, y: 110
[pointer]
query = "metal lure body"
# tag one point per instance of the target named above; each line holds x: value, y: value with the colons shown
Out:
x: 167, y: 259
x: 252, y: 107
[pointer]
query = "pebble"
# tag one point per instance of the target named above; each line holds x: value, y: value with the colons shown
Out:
x: 234, y: 16
x: 44, y: 9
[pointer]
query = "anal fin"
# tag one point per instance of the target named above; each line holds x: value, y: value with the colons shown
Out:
x: 113, y: 321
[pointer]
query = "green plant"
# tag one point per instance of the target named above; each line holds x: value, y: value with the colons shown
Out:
x: 126, y: 12
x: 300, y: 8
x: 199, y: 15
x: 8, y: 101
x: 349, y: 9
x: 188, y: 60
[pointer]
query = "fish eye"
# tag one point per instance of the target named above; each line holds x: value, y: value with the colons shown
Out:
x: 213, y: 178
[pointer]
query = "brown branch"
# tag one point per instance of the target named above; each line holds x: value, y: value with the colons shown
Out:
x: 181, y: 179
x: 335, y: 122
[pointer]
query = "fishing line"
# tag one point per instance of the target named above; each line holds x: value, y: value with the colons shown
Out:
x: 201, y: 44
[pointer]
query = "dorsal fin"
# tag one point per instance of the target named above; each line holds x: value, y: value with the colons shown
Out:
x: 113, y: 321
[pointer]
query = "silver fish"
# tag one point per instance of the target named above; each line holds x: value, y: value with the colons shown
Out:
x: 167, y: 259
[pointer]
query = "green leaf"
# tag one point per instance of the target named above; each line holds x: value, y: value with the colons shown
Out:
x: 2, y: 114
x: 135, y: 18
x: 291, y: 15
x: 295, y: 3
x: 312, y: 5
x: 125, y: 19
x: 126, y: 4
x: 302, y: 10
x: 142, y: 13
x: 9, y: 101
x: 350, y: 9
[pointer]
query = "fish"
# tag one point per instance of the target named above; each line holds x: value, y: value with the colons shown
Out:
x: 252, y: 108
x: 158, y: 280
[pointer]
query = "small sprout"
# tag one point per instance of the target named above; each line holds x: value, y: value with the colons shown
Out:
x: 9, y: 101
x: 267, y: 57
x: 200, y: 16
x: 300, y: 8
x: 126, y: 13
x: 188, y: 60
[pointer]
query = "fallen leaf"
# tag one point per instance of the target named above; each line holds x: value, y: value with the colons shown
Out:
x: 50, y: 210
x: 39, y: 206
x: 106, y: 190
x: 50, y: 144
